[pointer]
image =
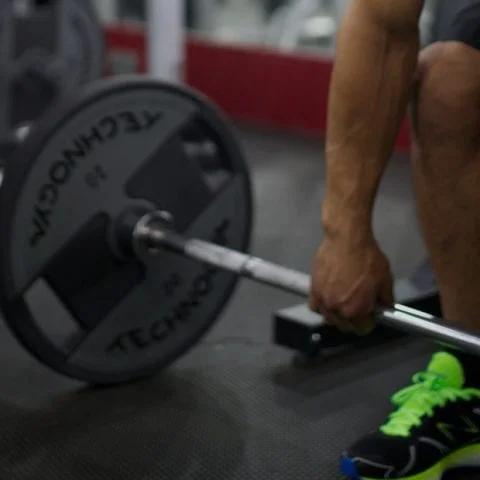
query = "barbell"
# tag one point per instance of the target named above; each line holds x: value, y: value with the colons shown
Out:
x: 151, y: 235
x: 132, y: 242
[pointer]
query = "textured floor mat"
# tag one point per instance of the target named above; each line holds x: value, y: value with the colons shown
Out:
x: 232, y: 410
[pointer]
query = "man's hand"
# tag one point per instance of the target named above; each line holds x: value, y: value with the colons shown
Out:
x: 349, y: 279
x: 376, y: 57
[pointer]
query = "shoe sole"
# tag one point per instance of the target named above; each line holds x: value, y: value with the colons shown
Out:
x: 466, y: 457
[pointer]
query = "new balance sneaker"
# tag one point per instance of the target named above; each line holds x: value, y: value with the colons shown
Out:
x: 436, y: 427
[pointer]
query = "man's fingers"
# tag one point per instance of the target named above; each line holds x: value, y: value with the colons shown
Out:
x: 364, y: 326
x: 331, y: 317
x: 386, y: 297
x: 349, y: 319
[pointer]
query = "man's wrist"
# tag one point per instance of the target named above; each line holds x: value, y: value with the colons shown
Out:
x: 346, y: 223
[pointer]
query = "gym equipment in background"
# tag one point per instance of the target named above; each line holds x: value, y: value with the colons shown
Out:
x: 47, y: 47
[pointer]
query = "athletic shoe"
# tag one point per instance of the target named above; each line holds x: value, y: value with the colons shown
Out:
x: 436, y: 427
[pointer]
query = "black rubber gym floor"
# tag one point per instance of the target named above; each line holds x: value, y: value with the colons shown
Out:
x: 235, y: 408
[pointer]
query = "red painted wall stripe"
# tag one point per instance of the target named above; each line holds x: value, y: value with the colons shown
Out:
x: 260, y: 86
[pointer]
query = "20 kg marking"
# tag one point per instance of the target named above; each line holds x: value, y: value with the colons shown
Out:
x: 96, y: 177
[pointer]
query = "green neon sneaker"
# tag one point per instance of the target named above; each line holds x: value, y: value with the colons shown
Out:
x: 436, y: 427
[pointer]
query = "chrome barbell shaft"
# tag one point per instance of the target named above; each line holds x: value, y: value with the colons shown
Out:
x: 400, y: 317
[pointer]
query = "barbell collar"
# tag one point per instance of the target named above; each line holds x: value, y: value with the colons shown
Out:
x: 154, y: 235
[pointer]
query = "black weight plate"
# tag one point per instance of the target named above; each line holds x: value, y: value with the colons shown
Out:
x: 45, y: 49
x: 123, y: 143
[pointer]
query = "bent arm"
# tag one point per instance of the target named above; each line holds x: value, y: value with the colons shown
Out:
x: 376, y: 58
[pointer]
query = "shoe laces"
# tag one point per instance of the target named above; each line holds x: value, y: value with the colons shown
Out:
x: 428, y: 392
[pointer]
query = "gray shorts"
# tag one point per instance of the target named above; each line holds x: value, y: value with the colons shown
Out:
x: 461, y: 22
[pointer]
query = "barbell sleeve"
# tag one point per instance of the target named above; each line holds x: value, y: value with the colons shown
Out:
x: 155, y: 237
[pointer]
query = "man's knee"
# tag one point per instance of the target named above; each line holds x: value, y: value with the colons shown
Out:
x: 446, y: 96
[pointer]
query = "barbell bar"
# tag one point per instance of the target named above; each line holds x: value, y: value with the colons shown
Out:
x: 155, y: 235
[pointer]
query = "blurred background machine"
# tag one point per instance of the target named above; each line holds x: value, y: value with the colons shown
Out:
x: 46, y: 49
x: 294, y: 24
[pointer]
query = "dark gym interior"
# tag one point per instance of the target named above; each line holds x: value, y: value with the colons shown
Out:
x: 236, y: 406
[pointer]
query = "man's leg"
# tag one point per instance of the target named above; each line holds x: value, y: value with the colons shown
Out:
x: 446, y: 166
x: 436, y: 422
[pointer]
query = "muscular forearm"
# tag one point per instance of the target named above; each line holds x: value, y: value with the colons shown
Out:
x: 369, y: 93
